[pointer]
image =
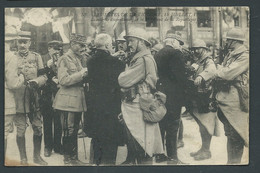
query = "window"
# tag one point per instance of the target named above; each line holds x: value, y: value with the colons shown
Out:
x: 151, y: 17
x: 236, y: 21
x: 204, y: 19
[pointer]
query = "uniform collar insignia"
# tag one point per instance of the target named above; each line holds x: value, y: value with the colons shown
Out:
x: 23, y: 54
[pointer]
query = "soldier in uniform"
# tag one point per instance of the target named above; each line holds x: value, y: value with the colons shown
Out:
x: 70, y: 98
x: 12, y: 81
x: 52, y: 138
x: 171, y: 71
x: 26, y: 97
x: 144, y: 139
x: 206, y: 119
x: 121, y: 47
x: 232, y: 94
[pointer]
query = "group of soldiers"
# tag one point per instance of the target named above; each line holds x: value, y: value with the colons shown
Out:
x: 100, y: 93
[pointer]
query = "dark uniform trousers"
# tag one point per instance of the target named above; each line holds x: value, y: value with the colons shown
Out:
x: 235, y: 144
x: 169, y: 127
x: 70, y: 126
x: 105, y: 151
x: 52, y: 130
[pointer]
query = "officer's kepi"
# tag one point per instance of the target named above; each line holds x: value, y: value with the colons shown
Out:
x: 55, y: 44
x: 81, y: 39
x: 24, y: 35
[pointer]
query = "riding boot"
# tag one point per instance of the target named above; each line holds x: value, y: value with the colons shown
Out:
x: 37, y: 141
x: 67, y: 147
x: 20, y: 140
x: 74, y: 152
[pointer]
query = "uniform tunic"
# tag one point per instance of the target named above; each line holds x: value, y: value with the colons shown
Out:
x: 206, y: 70
x: 146, y: 134
x: 28, y: 65
x: 12, y: 81
x: 70, y: 96
x: 235, y: 67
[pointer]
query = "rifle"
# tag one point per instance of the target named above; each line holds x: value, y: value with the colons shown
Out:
x: 223, y: 51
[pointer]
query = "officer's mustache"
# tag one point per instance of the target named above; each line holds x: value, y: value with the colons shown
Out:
x: 81, y: 51
x: 22, y: 48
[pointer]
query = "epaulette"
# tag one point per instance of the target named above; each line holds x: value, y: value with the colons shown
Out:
x: 37, y: 54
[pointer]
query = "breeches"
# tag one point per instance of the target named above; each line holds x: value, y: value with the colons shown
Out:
x: 70, y: 123
x: 20, y: 121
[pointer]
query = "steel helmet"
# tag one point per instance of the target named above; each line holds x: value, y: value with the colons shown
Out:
x: 121, y: 37
x: 198, y: 43
x: 157, y: 47
x: 139, y: 33
x: 10, y: 33
x: 236, y: 34
x: 174, y: 35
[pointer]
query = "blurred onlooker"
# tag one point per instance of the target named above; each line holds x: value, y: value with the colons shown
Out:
x: 156, y: 48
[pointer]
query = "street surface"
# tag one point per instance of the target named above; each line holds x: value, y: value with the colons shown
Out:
x: 191, y: 138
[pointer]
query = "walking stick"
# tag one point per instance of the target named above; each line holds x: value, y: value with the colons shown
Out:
x: 84, y: 142
x: 82, y: 126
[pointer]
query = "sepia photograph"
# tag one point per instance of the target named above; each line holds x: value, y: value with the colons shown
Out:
x: 126, y: 86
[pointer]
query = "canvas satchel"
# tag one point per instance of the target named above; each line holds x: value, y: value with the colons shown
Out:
x: 152, y: 104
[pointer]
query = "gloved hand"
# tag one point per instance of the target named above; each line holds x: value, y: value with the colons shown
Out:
x: 120, y: 118
x: 84, y: 72
x: 33, y: 84
x: 55, y: 79
x: 195, y: 66
x: 49, y: 63
x: 198, y: 80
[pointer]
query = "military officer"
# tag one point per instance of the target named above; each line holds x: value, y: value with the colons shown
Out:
x: 52, y: 138
x: 70, y: 98
x: 26, y: 97
x: 232, y: 96
x: 12, y: 81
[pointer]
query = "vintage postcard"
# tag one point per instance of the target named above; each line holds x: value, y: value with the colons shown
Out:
x: 126, y: 86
